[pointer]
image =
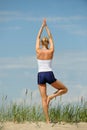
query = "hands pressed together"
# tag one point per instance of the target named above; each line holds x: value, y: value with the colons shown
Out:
x: 44, y: 23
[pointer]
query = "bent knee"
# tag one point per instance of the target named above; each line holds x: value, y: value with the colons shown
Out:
x: 66, y: 90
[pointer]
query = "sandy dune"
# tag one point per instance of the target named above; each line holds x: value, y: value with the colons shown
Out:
x: 42, y: 126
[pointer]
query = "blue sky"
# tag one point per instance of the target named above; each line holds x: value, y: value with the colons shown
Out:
x: 20, y: 21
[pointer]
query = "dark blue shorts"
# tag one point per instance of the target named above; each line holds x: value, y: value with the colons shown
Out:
x: 46, y: 77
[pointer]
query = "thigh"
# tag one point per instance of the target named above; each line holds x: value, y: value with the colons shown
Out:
x: 58, y: 85
x: 43, y: 90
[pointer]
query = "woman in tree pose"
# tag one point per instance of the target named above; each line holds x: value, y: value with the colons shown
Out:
x: 44, y: 52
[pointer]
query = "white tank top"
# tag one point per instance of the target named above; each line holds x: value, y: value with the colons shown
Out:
x: 44, y: 65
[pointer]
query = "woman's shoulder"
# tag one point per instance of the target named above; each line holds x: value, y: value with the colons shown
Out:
x: 44, y: 54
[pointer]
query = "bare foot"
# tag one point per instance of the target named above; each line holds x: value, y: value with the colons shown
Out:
x: 48, y: 100
x: 51, y: 97
x: 48, y: 122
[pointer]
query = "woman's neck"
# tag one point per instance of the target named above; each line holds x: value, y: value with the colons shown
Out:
x: 44, y: 48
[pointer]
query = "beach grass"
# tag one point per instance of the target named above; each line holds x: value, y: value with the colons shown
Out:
x: 33, y: 113
x: 69, y: 113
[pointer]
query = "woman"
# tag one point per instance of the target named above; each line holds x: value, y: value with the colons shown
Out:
x: 44, y: 52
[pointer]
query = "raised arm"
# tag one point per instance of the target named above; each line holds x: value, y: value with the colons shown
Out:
x: 39, y: 36
x: 50, y: 38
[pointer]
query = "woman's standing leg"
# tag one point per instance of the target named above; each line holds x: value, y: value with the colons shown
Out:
x: 43, y: 93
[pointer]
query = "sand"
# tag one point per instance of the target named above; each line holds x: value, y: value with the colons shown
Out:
x: 42, y: 126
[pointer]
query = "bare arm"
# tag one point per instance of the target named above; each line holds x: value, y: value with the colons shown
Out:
x: 50, y: 38
x: 38, y: 37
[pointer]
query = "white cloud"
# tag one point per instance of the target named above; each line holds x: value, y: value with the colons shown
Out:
x: 80, y: 32
x: 18, y: 63
x: 73, y: 28
x: 6, y: 16
x: 66, y: 23
x: 10, y: 28
x: 66, y: 19
x: 71, y: 60
x: 4, y: 13
x: 16, y: 15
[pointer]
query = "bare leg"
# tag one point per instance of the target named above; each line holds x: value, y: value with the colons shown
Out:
x: 61, y: 89
x: 43, y: 93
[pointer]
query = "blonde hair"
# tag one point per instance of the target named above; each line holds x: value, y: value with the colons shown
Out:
x: 45, y: 41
